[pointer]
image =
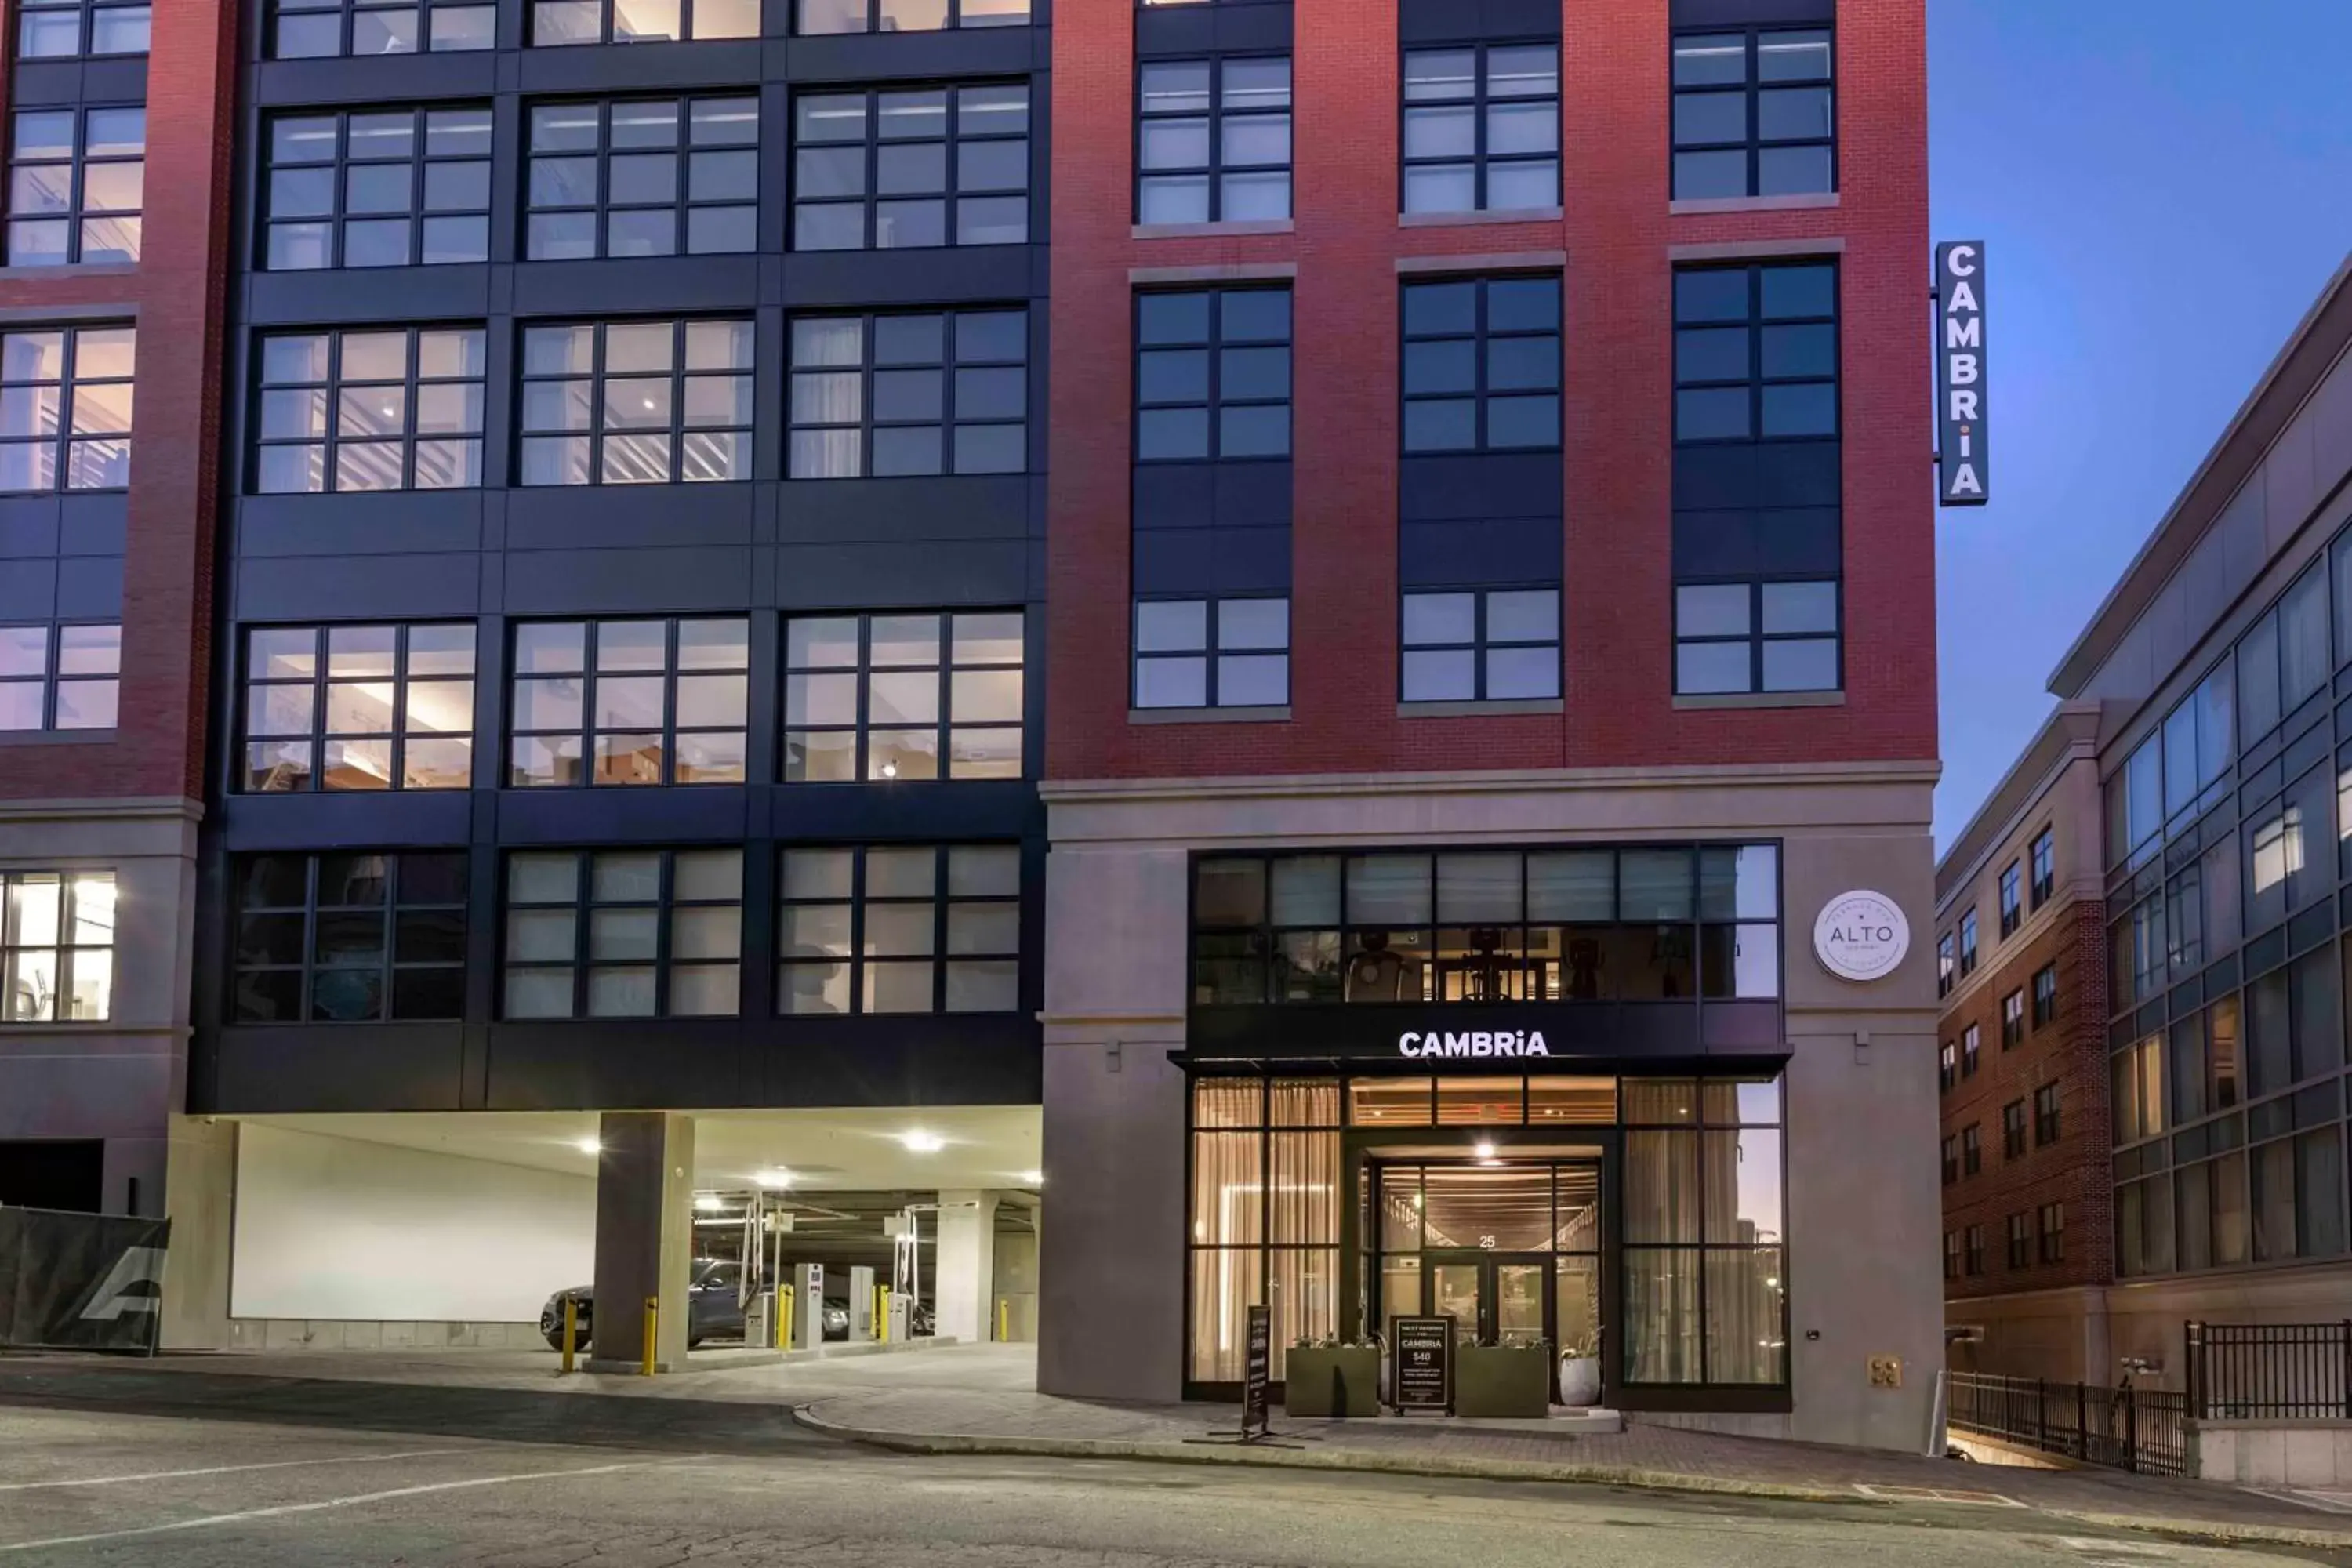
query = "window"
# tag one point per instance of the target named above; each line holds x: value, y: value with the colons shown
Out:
x: 58, y: 29
x: 885, y: 396
x: 1756, y: 636
x: 1971, y: 1149
x: 76, y: 182
x: 1947, y: 1068
x: 407, y: 187
x: 1481, y: 367
x: 1213, y: 140
x: 2012, y: 913
x: 1951, y: 1253
x: 906, y: 16
x: 606, y: 179
x: 1494, y: 646
x: 380, y: 707
x: 2052, y: 1225
x: 1212, y: 374
x: 1968, y: 943
x: 66, y: 396
x: 396, y: 410
x: 1951, y: 1150
x: 2021, y: 1244
x: 559, y: 22
x: 912, y: 168
x: 348, y: 938
x: 2012, y: 1020
x: 2012, y: 1130
x: 1944, y: 965
x: 629, y: 702
x: 903, y: 697
x: 1174, y: 665
x: 2044, y: 858
x: 1753, y: 115
x: 1482, y: 127
x: 624, y: 933
x: 2045, y: 1115
x: 59, y: 677
x: 1975, y: 1250
x: 311, y: 29
x: 1970, y: 1038
x: 1755, y: 351
x: 2046, y: 996
x: 900, y: 929
x: 58, y: 946
x: 636, y: 402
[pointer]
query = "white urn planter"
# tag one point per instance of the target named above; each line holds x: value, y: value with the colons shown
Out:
x: 1580, y: 1381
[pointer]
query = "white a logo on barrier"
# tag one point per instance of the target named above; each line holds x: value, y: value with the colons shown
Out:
x: 137, y: 1265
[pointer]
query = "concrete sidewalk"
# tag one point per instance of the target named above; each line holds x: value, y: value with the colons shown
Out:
x: 983, y: 1399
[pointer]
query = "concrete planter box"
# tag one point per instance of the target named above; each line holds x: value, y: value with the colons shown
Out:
x: 1341, y: 1382
x: 1500, y: 1380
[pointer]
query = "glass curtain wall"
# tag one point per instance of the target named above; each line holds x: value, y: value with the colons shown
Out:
x: 1705, y: 1301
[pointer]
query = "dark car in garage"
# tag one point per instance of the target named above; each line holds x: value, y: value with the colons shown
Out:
x: 714, y: 1307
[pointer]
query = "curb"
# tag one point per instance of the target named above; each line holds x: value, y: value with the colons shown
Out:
x: 1359, y: 1461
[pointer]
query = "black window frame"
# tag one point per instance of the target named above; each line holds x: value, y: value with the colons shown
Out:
x: 1971, y: 1149
x: 587, y: 675
x: 856, y: 961
x: 802, y: 675
x: 1481, y: 645
x: 96, y: 678
x: 584, y: 905
x: 1213, y: 116
x: 1691, y: 375
x: 318, y: 740
x: 86, y: 14
x: 1751, y: 88
x: 1214, y: 346
x: 394, y: 912
x: 75, y: 216
x: 1211, y: 651
x: 2046, y: 996
x: 951, y: 196
x: 1480, y: 99
x: 2043, y: 856
x: 424, y: 16
x: 607, y: 14
x: 1971, y: 1050
x: 327, y: 398
x: 1758, y: 635
x: 1968, y: 929
x: 2050, y: 1228
x: 2012, y: 1130
x: 678, y: 431
x: 64, y: 948
x: 1975, y: 1246
x: 472, y: 123
x: 956, y: 20
x: 2021, y: 1243
x: 2011, y: 906
x: 1483, y: 339
x: 2049, y: 1115
x: 67, y: 449
x: 688, y: 158
x: 951, y: 366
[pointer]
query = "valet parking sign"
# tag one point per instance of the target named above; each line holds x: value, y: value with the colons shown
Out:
x: 1960, y: 373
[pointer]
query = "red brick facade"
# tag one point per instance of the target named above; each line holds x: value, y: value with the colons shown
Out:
x: 2070, y: 1051
x: 1621, y: 241
x: 175, y: 294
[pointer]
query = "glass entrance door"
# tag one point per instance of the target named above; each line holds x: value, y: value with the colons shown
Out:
x: 1494, y: 1298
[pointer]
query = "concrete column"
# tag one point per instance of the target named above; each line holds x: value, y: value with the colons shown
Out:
x: 962, y: 1302
x: 200, y: 1196
x: 645, y: 1237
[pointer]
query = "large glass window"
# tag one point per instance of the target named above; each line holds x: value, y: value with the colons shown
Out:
x: 910, y: 168
x: 1481, y: 367
x: 561, y: 22
x: 1266, y: 1210
x: 903, y: 697
x: 904, y: 396
x: 1212, y: 653
x: 359, y: 707
x: 76, y: 180
x: 629, y: 702
x: 310, y: 29
x: 366, y: 410
x: 1482, y: 127
x: 405, y: 187
x: 1704, y: 1258
x: 349, y: 937
x: 2012, y: 904
x: 61, y: 676
x: 636, y: 402
x: 904, y: 16
x: 624, y: 933
x: 1755, y: 351
x: 66, y: 400
x: 1497, y: 646
x: 643, y: 178
x: 900, y: 929
x: 57, y: 29
x: 2044, y: 858
x: 1212, y: 374
x: 1555, y: 925
x: 1753, y: 113
x: 1733, y: 638
x: 57, y: 946
x: 1212, y: 139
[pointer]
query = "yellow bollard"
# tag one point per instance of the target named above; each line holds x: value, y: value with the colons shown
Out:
x: 882, y: 1314
x: 1003, y: 1321
x: 782, y: 1333
x: 571, y: 1332
x: 653, y: 1324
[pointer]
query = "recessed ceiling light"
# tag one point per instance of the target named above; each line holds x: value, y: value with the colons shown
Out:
x: 889, y: 769
x: 708, y: 1203
x: 588, y: 1146
x: 1485, y: 1151
x: 779, y: 1177
x: 1032, y: 1178
x: 921, y: 1142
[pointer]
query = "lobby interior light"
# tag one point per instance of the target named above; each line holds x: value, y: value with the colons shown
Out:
x: 708, y: 1203
x: 588, y: 1146
x: 1032, y: 1178
x: 918, y: 1142
x: 1485, y: 1151
x: 773, y: 1179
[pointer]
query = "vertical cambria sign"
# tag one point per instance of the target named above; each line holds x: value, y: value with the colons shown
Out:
x: 1960, y: 373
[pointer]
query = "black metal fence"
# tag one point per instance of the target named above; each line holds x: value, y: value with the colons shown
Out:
x: 2144, y: 1431
x: 2270, y: 1372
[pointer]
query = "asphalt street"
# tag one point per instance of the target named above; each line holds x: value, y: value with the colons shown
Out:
x: 80, y: 1487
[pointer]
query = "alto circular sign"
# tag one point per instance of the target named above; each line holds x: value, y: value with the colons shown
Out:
x: 1861, y: 935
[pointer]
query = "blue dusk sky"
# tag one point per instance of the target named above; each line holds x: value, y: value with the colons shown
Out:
x: 2163, y: 187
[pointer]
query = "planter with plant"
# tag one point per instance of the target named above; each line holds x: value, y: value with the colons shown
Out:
x: 1332, y: 1377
